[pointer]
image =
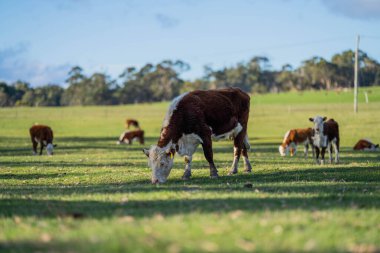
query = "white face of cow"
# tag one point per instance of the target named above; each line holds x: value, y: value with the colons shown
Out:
x: 283, y: 151
x: 49, y: 149
x: 160, y: 160
x: 319, y: 139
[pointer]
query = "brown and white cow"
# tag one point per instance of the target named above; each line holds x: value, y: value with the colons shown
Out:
x: 196, y: 118
x: 295, y: 137
x: 44, y: 136
x: 325, y: 135
x: 366, y: 145
x: 129, y: 136
x: 131, y: 122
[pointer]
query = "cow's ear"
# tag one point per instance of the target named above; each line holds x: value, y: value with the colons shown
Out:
x: 324, y: 118
x: 171, y: 153
x: 146, y: 152
x: 377, y: 145
x: 311, y: 119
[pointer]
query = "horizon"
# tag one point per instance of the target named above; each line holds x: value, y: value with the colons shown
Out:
x: 107, y: 38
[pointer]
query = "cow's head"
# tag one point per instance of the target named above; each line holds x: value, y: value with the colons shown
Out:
x: 319, y: 139
x: 50, y: 148
x: 318, y: 124
x: 160, y: 160
x: 283, y: 150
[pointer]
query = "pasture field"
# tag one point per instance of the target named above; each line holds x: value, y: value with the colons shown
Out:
x: 96, y: 196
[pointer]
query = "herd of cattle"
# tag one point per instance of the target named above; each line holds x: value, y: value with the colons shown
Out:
x: 199, y: 117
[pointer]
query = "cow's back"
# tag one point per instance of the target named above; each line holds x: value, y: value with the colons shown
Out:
x: 216, y: 107
x: 41, y: 132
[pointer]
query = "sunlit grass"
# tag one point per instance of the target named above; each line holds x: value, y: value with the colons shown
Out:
x: 95, y: 196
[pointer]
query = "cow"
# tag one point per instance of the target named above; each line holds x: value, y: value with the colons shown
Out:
x: 198, y: 117
x: 366, y: 145
x: 44, y: 136
x: 132, y: 122
x: 129, y: 136
x: 325, y: 135
x: 294, y: 137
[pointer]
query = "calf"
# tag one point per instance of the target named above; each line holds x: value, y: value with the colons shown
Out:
x: 325, y: 135
x: 196, y: 118
x: 131, y: 122
x: 294, y: 137
x: 43, y: 135
x: 129, y: 136
x: 366, y: 145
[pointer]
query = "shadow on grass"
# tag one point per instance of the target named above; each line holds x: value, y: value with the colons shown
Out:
x: 146, y: 208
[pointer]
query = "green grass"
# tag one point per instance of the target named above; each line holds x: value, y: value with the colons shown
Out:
x: 95, y: 196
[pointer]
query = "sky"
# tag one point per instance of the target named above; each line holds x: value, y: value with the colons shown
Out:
x: 40, y: 40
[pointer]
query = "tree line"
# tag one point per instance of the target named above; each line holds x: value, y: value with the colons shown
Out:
x: 162, y: 81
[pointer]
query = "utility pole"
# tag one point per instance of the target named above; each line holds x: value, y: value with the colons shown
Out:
x: 356, y: 83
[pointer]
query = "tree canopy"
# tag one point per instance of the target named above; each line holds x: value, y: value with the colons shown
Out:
x: 163, y: 81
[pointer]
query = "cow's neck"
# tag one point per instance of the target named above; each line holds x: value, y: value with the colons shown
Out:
x: 169, y: 134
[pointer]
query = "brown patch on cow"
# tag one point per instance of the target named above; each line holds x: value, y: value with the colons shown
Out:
x: 128, y: 136
x: 132, y: 122
x: 41, y: 134
x: 363, y: 144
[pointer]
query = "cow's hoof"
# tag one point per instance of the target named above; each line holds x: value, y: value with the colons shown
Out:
x: 248, y: 171
x: 214, y: 176
x: 232, y: 172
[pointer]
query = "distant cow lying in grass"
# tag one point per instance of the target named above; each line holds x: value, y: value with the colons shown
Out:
x: 195, y: 118
x: 131, y: 122
x: 129, y: 136
x: 325, y: 135
x: 366, y: 145
x: 295, y: 137
x: 43, y: 135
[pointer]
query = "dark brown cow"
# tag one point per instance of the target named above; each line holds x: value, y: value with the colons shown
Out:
x: 294, y: 137
x: 196, y: 118
x: 326, y: 135
x: 44, y: 135
x: 129, y: 136
x: 366, y: 145
x: 131, y: 122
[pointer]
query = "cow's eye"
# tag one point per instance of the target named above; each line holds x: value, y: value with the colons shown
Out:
x: 162, y: 164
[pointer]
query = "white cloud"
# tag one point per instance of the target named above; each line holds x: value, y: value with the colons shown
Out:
x: 359, y: 9
x: 166, y: 21
x: 14, y: 66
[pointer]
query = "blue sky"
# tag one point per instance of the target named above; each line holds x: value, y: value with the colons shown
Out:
x: 41, y: 39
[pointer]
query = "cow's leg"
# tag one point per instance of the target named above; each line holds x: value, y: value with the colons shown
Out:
x: 312, y: 150
x: 329, y: 149
x: 336, y: 149
x: 35, y: 144
x: 317, y: 155
x: 323, y: 151
x: 235, y: 163
x: 238, y: 147
x: 207, y: 151
x: 42, y: 147
x: 306, y: 149
x: 187, y: 173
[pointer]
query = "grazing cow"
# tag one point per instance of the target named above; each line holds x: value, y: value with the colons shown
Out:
x: 129, y: 136
x: 294, y: 137
x: 366, y: 145
x: 196, y: 118
x: 132, y: 122
x: 326, y: 135
x: 43, y: 135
